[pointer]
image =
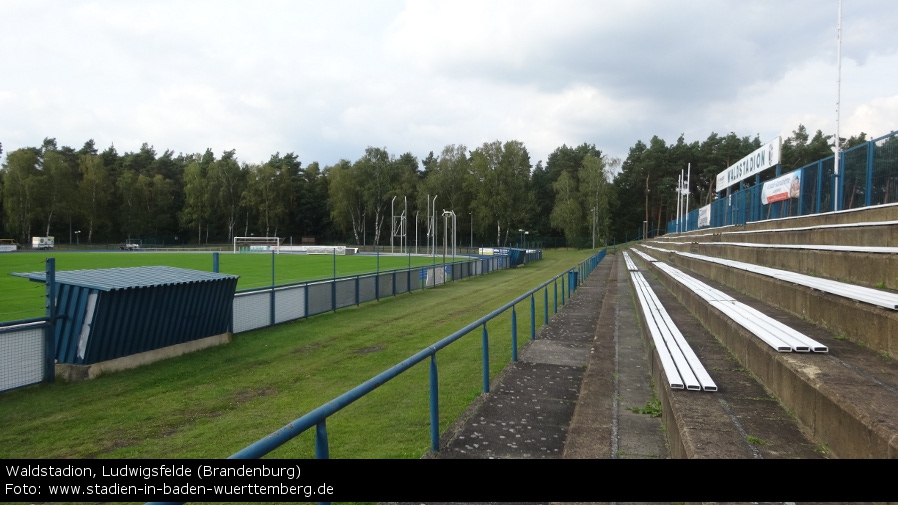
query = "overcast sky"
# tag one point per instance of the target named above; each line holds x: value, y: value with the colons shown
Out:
x: 325, y: 80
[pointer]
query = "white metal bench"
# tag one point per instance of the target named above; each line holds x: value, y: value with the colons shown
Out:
x: 859, y: 293
x: 682, y: 368
x: 781, y: 337
x: 806, y: 247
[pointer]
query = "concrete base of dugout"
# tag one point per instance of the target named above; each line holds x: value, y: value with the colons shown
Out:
x: 77, y: 373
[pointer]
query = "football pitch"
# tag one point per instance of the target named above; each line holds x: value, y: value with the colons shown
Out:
x: 22, y: 299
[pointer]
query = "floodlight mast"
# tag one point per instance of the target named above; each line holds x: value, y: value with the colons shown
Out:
x: 836, y: 202
x: 392, y: 224
x: 433, y: 216
x: 446, y: 215
x: 404, y: 224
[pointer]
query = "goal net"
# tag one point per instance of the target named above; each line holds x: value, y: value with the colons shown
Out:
x: 257, y: 244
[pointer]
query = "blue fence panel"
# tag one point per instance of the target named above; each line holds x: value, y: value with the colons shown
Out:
x: 251, y: 311
x: 289, y: 303
x: 345, y: 293
x: 319, y: 299
x: 367, y: 288
x: 23, y: 353
x: 884, y: 177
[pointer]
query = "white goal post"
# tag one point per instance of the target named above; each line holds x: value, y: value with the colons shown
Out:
x: 257, y: 244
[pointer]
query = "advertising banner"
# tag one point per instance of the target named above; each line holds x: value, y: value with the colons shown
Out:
x: 704, y: 216
x: 765, y: 157
x: 782, y: 188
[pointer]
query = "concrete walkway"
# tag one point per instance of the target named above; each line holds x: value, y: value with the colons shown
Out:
x: 565, y: 398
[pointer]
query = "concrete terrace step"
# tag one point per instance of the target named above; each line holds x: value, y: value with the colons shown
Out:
x: 870, y: 266
x: 844, y: 400
x: 741, y: 420
x: 870, y: 325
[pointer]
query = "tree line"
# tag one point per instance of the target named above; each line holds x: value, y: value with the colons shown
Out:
x: 578, y: 198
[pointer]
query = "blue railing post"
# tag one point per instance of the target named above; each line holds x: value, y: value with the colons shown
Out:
x: 555, y: 293
x: 562, y: 287
x: 486, y: 360
x: 514, y: 334
x: 50, y: 331
x: 546, y: 305
x: 868, y: 195
x: 321, y: 448
x: 434, y: 405
x: 532, y: 317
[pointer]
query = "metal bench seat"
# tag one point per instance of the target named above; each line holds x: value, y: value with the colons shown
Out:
x: 682, y: 368
x: 777, y: 335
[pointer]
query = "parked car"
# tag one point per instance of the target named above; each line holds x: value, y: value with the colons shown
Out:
x: 129, y: 247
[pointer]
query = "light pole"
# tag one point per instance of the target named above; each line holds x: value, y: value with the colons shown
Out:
x: 77, y: 237
x: 472, y: 229
x: 645, y: 224
x: 525, y: 238
x: 593, y: 227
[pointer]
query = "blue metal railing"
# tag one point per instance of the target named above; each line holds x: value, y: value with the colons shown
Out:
x: 317, y: 418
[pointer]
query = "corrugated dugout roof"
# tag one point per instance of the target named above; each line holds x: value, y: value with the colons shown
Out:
x: 111, y: 279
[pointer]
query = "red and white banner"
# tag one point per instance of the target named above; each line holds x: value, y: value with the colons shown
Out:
x: 782, y: 188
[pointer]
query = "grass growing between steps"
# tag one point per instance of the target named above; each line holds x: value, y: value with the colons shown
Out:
x: 213, y: 403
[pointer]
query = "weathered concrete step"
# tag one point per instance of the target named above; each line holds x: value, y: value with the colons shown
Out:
x: 844, y: 400
x: 528, y: 411
x: 873, y: 270
x: 872, y: 326
x: 613, y: 418
x: 858, y: 234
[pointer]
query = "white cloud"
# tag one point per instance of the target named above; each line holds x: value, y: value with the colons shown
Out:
x: 327, y: 79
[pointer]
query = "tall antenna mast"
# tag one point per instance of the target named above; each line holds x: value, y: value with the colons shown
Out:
x: 836, y: 205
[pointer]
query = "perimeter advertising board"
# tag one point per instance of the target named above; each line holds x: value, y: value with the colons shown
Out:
x: 704, y: 216
x: 782, y: 188
x: 762, y: 158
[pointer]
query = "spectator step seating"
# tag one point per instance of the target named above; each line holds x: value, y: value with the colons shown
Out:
x: 840, y: 383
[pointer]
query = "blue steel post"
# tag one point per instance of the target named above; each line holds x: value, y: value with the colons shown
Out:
x: 868, y: 199
x: 532, y: 318
x: 514, y: 334
x: 215, y: 265
x: 840, y: 182
x: 486, y: 360
x: 434, y: 405
x: 819, y: 186
x: 334, y: 281
x: 555, y: 294
x: 562, y: 287
x: 546, y: 305
x: 50, y: 331
x: 321, y: 448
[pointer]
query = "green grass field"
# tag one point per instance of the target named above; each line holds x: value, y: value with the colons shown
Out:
x: 22, y: 299
x: 212, y: 403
